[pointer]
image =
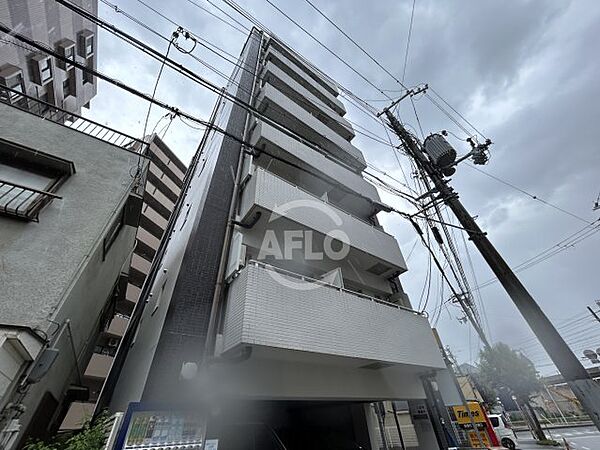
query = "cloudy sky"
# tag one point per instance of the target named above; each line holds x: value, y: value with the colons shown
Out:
x: 524, y: 73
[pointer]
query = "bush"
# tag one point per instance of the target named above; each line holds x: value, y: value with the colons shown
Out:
x: 91, y: 437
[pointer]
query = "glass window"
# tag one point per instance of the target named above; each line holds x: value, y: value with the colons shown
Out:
x: 45, y: 70
x: 495, y: 422
x: 87, y: 76
x: 70, y: 53
x: 67, y: 88
x: 89, y: 45
x: 28, y: 180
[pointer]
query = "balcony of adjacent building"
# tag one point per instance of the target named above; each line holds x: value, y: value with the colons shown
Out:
x: 303, y: 97
x: 272, y: 209
x: 313, y: 83
x: 284, y: 155
x: 296, y: 337
x: 280, y: 108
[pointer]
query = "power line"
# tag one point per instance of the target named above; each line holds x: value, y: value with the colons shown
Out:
x: 247, y: 30
x: 410, y: 27
x: 358, y: 45
x: 569, y: 242
x: 358, y: 128
x: 334, y: 54
x: 528, y: 194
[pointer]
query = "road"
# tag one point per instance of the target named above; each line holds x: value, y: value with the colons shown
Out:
x: 579, y: 438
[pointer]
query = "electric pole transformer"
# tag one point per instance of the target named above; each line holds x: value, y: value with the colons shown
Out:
x: 585, y: 389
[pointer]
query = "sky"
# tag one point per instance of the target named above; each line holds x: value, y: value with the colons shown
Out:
x: 526, y: 75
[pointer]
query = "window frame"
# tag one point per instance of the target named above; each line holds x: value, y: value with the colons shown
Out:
x: 12, y: 73
x: 58, y: 170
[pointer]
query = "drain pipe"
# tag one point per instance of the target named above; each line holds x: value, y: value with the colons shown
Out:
x: 231, y: 222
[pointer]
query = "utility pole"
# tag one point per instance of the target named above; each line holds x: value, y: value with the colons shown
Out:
x: 594, y: 313
x: 573, y: 372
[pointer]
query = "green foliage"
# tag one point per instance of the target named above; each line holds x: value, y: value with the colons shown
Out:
x: 502, y: 367
x: 486, y: 390
x: 91, y: 437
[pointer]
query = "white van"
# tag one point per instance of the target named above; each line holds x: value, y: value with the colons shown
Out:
x: 504, y: 432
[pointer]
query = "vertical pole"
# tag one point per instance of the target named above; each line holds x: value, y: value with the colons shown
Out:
x: 585, y: 389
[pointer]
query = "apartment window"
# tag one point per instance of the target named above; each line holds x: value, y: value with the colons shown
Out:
x: 87, y: 76
x: 86, y: 43
x: 29, y: 180
x: 41, y: 72
x: 66, y: 48
x: 12, y: 78
x: 69, y: 85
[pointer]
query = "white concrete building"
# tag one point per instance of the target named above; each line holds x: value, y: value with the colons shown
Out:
x: 312, y: 325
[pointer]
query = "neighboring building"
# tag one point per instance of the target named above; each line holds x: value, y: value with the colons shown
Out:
x: 164, y: 180
x: 70, y: 201
x: 41, y: 76
x: 313, y: 325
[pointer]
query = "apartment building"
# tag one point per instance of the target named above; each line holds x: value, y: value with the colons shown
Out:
x: 164, y: 180
x: 286, y: 323
x: 70, y: 200
x: 54, y: 82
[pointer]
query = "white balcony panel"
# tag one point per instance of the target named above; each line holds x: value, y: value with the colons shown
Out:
x: 302, y: 77
x: 312, y: 71
x: 275, y: 105
x: 266, y: 309
x: 270, y: 193
x: 282, y: 145
x: 274, y: 75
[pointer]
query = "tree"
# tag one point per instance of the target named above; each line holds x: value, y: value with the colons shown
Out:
x: 503, y: 368
x: 486, y: 390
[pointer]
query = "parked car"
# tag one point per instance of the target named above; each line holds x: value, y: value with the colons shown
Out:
x: 505, y: 434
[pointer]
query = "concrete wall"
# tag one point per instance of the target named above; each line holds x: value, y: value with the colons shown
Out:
x: 56, y: 271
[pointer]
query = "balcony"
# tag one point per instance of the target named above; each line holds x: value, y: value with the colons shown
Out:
x: 311, y: 70
x: 285, y: 207
x: 275, y: 76
x: 285, y: 111
x: 66, y: 118
x: 365, y: 202
x: 311, y: 339
x: 302, y: 77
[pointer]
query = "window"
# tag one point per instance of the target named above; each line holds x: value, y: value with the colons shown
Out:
x: 66, y: 88
x: 12, y: 78
x: 66, y: 48
x: 69, y: 84
x: 85, y: 43
x: 87, y: 76
x: 495, y: 422
x: 45, y: 70
x: 29, y: 180
x: 41, y: 69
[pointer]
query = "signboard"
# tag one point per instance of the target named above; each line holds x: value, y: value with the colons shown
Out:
x: 474, y: 442
x: 462, y: 416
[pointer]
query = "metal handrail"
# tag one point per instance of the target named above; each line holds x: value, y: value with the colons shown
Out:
x: 18, y: 196
x: 48, y: 111
x: 329, y: 285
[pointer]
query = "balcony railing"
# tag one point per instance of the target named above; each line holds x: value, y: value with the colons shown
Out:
x: 322, y: 283
x: 69, y: 119
x: 22, y: 201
